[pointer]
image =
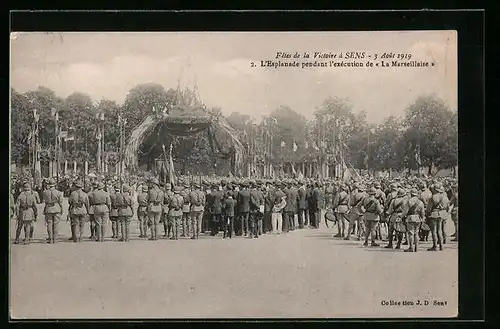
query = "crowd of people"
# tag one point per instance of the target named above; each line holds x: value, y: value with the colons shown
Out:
x: 401, y: 210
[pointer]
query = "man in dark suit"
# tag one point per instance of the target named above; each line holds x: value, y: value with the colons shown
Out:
x: 291, y: 206
x: 216, y: 198
x: 244, y: 208
x: 256, y: 210
x: 318, y: 202
x: 310, y: 204
x: 302, y: 204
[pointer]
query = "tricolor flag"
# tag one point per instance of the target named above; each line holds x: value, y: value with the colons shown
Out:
x: 417, y: 155
x: 295, y: 146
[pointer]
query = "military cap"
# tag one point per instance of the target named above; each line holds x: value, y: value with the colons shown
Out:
x: 168, y: 186
x: 177, y: 189
x: 79, y: 184
x: 378, y: 185
x: 145, y: 187
x: 215, y: 185
x: 394, y: 186
x: 413, y: 191
x: 26, y: 184
x: 186, y: 185
x: 439, y: 187
x: 154, y: 180
x: 196, y: 185
x: 100, y: 185
x: 52, y: 182
x: 401, y: 192
x: 117, y: 187
x: 361, y: 187
x: 372, y: 190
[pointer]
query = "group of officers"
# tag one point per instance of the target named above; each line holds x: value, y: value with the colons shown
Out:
x: 407, y: 208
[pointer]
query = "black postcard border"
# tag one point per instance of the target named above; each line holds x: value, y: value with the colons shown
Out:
x: 470, y: 27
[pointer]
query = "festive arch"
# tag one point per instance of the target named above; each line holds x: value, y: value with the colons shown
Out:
x: 186, y: 121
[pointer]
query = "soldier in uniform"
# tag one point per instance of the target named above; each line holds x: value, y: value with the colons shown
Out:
x: 355, y: 213
x: 391, y: 194
x: 167, y: 224
x: 302, y: 205
x: 175, y: 211
x: 436, y: 212
x: 53, y: 210
x: 125, y: 213
x: 78, y: 209
x: 278, y: 206
x: 155, y: 202
x: 229, y: 205
x: 341, y: 209
x: 256, y: 209
x: 268, y: 206
x: 215, y: 204
x: 186, y: 207
x: 454, y: 211
x: 425, y: 196
x: 319, y: 203
x: 380, y: 195
x: 244, y: 208
x: 90, y: 195
x: 414, y: 214
x: 26, y: 212
x: 197, y: 201
x: 113, y: 213
x: 395, y: 213
x: 102, y: 205
x: 142, y: 210
x: 310, y: 219
x: 372, y: 208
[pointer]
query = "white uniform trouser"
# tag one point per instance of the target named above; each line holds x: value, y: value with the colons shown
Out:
x: 277, y: 222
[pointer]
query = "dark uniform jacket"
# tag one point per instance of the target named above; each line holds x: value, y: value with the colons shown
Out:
x: 197, y: 199
x: 292, y: 198
x: 102, y: 202
x: 371, y: 207
x: 113, y: 212
x: 302, y: 193
x: 244, y: 201
x: 176, y: 203
x: 124, y: 201
x: 438, y: 206
x: 414, y: 211
x: 319, y: 198
x: 256, y: 199
x: 142, y: 202
x: 216, y: 198
x: 229, y: 205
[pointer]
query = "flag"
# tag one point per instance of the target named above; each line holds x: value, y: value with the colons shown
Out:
x: 101, y: 116
x: 53, y: 111
x: 306, y: 145
x: 315, y: 146
x: 293, y: 169
x: 98, y: 136
x: 70, y: 138
x: 36, y: 117
x: 274, y: 119
x: 295, y: 146
x: 417, y: 155
x: 366, y: 160
x: 283, y: 144
x: 301, y: 175
x: 171, y: 174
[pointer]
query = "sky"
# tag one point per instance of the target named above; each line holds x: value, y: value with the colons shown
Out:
x: 108, y: 65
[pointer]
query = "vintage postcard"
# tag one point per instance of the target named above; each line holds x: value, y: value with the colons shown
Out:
x: 142, y: 164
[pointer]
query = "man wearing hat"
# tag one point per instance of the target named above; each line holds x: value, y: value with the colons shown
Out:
x: 424, y: 195
x: 102, y: 206
x: 436, y: 212
x: 113, y: 212
x: 341, y: 209
x: 256, y: 210
x: 302, y: 204
x: 278, y: 206
x: 395, y: 214
x: 355, y: 212
x: 197, y: 200
x: 413, y: 214
x: 391, y: 194
x: 381, y: 197
x: 175, y: 211
x: 155, y: 202
x: 124, y: 202
x: 53, y: 210
x: 167, y: 224
x: 26, y: 212
x: 90, y: 195
x: 186, y: 208
x: 319, y: 203
x: 78, y: 209
x: 244, y: 208
x: 372, y: 208
x: 215, y: 201
x: 142, y: 210
x: 454, y: 211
